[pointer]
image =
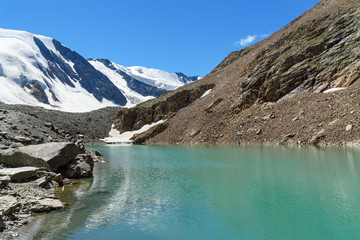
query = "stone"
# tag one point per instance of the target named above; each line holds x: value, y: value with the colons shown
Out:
x: 2, y: 225
x: 58, y: 178
x: 19, y: 173
x: 316, y: 139
x: 194, y: 132
x: 267, y: 117
x: 17, y: 158
x: 46, y: 205
x: 43, y: 182
x: 5, y: 180
x: 287, y: 138
x: 49, y: 155
x: 209, y: 108
x: 48, y: 124
x: 349, y: 128
x: 8, y: 204
x: 3, y: 147
x: 81, y: 167
x: 23, y: 140
x: 258, y: 131
x: 96, y: 155
x: 4, y: 134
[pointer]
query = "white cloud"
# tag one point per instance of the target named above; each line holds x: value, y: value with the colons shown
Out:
x: 246, y: 41
x: 250, y: 39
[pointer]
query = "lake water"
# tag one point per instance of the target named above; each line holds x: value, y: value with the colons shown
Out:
x: 193, y: 192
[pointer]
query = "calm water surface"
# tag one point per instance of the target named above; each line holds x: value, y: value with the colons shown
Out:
x: 184, y: 192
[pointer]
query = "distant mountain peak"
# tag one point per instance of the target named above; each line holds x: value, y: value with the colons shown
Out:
x: 40, y: 71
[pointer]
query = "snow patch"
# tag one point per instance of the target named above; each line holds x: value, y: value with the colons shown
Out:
x: 207, y: 92
x: 334, y: 89
x: 116, y: 137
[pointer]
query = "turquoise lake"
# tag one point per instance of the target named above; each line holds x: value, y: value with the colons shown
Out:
x: 211, y: 192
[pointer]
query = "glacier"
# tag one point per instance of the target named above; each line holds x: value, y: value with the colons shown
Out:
x: 40, y: 71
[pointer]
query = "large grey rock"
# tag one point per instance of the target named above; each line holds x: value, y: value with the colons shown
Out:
x: 81, y: 167
x: 8, y: 204
x: 20, y: 173
x: 50, y: 155
x: 17, y: 158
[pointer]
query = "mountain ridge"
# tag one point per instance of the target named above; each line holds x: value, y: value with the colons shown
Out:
x: 40, y: 71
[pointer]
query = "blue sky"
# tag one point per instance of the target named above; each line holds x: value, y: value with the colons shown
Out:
x: 189, y: 36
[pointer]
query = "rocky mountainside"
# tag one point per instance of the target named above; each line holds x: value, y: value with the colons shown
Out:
x: 300, y: 85
x: 40, y: 71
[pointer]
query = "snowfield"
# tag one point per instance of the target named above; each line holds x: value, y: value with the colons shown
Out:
x: 34, y: 72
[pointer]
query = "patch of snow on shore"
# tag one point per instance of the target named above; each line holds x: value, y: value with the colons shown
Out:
x: 116, y: 137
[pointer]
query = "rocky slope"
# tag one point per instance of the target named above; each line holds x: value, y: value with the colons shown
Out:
x: 278, y: 90
x: 26, y: 125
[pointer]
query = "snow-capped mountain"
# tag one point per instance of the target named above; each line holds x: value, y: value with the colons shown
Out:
x: 139, y: 84
x: 40, y: 71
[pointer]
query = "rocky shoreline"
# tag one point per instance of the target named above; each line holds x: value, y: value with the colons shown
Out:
x: 29, y: 175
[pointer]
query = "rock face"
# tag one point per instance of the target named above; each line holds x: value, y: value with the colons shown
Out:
x: 290, y: 76
x: 158, y: 109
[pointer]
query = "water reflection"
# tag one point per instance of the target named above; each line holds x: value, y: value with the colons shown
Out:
x: 213, y: 192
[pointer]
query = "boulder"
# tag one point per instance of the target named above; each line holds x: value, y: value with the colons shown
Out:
x: 23, y: 140
x: 96, y: 155
x: 58, y: 178
x: 44, y: 182
x: 8, y: 205
x: 20, y: 173
x: 49, y: 155
x: 81, y: 167
x: 5, y: 180
x: 54, y: 154
x: 17, y: 158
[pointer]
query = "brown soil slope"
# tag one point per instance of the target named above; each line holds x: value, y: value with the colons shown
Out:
x: 272, y: 91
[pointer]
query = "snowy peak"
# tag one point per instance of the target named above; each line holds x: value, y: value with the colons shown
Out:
x: 157, y: 78
x: 40, y: 71
x: 147, y: 82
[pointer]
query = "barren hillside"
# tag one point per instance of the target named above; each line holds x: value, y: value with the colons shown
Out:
x: 274, y: 91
